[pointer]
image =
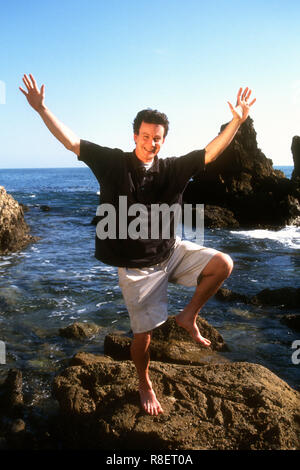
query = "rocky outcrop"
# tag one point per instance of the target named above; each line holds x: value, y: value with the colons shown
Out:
x: 14, y: 232
x: 243, y: 181
x: 296, y: 157
x: 235, y: 406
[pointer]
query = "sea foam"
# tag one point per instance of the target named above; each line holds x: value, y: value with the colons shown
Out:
x: 288, y: 236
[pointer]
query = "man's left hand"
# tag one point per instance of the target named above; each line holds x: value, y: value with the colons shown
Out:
x: 242, y: 108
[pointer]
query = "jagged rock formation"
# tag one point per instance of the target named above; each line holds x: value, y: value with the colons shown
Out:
x: 14, y: 232
x: 296, y: 156
x: 243, y: 184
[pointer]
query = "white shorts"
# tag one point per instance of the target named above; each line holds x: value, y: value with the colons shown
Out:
x: 145, y: 289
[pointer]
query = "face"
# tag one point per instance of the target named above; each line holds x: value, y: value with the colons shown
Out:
x: 149, y: 141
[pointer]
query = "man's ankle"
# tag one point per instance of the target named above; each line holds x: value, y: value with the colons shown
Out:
x: 145, y: 384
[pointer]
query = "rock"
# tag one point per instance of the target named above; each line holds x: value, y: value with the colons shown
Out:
x: 95, y: 220
x: 286, y: 297
x: 243, y: 184
x: 219, y: 217
x: 79, y: 330
x: 12, y: 393
x: 18, y: 425
x: 227, y: 295
x: 173, y: 344
x: 296, y: 156
x: 45, y: 208
x: 14, y: 232
x: 24, y: 207
x: 232, y: 406
x: 86, y: 359
x: 292, y: 321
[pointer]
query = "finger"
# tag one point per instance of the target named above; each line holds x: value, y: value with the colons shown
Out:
x: 244, y: 93
x: 23, y: 91
x: 33, y: 81
x: 27, y: 80
x: 248, y: 96
x: 43, y: 90
x: 230, y: 106
x: 27, y: 83
x: 238, y: 100
x: 253, y: 101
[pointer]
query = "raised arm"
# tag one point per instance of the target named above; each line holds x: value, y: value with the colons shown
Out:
x: 240, y: 114
x: 35, y: 98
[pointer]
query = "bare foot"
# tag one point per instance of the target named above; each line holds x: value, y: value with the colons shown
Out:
x: 149, y: 401
x: 192, y: 328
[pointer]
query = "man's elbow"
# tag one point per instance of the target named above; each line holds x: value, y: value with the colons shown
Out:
x: 210, y: 156
x: 73, y: 146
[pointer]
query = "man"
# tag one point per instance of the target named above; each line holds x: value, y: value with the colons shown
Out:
x: 145, y: 264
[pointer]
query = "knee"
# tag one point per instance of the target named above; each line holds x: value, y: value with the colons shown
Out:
x: 225, y: 265
x: 221, y: 266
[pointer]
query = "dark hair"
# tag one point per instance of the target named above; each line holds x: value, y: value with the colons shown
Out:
x: 151, y: 116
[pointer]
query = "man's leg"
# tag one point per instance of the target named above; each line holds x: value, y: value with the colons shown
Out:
x: 145, y: 294
x: 211, y: 278
x: 141, y: 358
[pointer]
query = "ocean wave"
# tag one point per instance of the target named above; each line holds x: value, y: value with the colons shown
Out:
x: 288, y: 236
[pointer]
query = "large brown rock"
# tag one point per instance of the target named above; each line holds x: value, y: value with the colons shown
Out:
x: 221, y: 406
x: 14, y: 232
x: 244, y: 185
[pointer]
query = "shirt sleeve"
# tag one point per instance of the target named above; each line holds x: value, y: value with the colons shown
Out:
x: 99, y: 159
x: 189, y: 165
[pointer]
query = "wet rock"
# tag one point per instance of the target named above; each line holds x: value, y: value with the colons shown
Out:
x: 12, y: 393
x: 226, y: 295
x: 244, y: 185
x: 14, y: 232
x: 285, y: 297
x: 292, y: 321
x: 232, y: 406
x: 173, y: 344
x: 18, y: 425
x: 45, y: 208
x: 79, y: 330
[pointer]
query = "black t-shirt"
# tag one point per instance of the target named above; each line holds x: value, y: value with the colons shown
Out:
x: 122, y: 174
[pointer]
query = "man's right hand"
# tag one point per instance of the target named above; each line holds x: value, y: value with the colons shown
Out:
x: 35, y: 97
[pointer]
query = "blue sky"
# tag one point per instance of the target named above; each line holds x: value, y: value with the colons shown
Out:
x: 102, y: 61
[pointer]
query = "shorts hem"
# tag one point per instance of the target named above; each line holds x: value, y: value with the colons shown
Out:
x: 150, y: 329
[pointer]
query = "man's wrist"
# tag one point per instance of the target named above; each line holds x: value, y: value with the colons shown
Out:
x: 41, y: 109
x: 237, y: 121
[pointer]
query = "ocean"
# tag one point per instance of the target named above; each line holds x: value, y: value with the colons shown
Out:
x: 57, y: 281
